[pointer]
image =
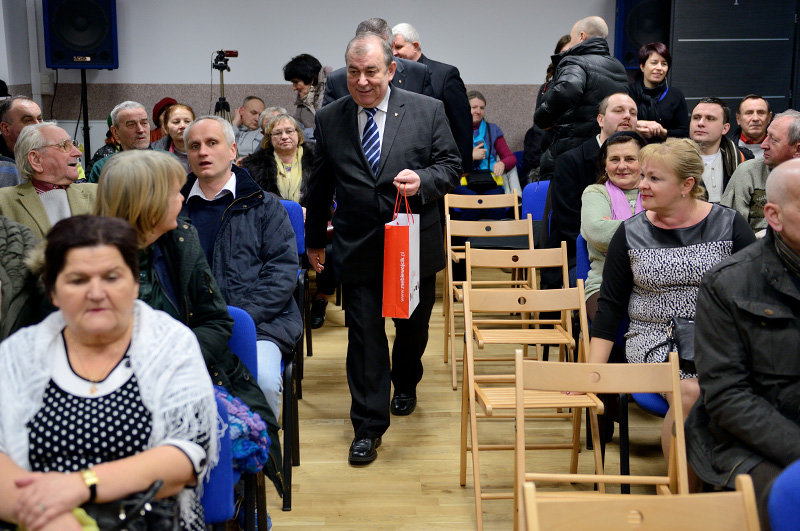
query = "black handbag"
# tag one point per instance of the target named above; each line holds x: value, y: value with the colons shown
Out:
x: 680, y: 338
x: 480, y: 181
x: 137, y: 512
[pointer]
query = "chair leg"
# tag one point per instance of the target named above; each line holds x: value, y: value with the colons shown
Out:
x: 452, y: 331
x: 307, y: 318
x: 261, y: 502
x: 298, y: 370
x: 464, y: 424
x: 288, y: 434
x: 445, y: 312
x: 624, y: 442
x: 598, y: 457
x: 476, y: 468
x: 576, y: 439
x: 249, y: 502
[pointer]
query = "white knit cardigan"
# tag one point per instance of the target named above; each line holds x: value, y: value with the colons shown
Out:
x: 166, y: 359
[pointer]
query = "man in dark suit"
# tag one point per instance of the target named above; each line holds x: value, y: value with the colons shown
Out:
x: 408, y: 75
x: 447, y: 87
x: 370, y: 145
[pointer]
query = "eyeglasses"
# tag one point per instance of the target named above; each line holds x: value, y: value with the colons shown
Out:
x: 65, y: 146
x: 278, y: 134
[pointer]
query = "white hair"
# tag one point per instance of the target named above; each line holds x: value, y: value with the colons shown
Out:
x: 227, y: 128
x: 408, y: 32
x: 30, y: 138
x: 267, y: 113
x: 124, y: 106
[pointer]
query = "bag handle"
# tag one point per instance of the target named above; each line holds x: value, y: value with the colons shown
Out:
x: 397, y: 205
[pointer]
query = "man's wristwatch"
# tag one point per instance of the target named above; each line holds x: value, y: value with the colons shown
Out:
x: 90, y: 478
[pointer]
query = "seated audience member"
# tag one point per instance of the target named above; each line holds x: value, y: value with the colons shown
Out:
x: 408, y: 75
x: 586, y: 72
x: 64, y: 387
x: 108, y: 148
x: 283, y: 164
x: 15, y: 113
x: 307, y: 77
x: 490, y: 152
x: 21, y: 302
x: 174, y: 122
x: 131, y: 129
x: 721, y: 156
x: 662, y: 108
x: 605, y: 205
x: 143, y: 188
x: 748, y: 421
x: 746, y: 191
x: 47, y: 160
x: 246, y: 121
x: 656, y: 259
x: 537, y: 139
x: 248, y: 241
x: 576, y: 169
x: 752, y: 118
x: 283, y: 167
x: 157, y: 132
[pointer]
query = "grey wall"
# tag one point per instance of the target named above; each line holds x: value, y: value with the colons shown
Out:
x: 166, y: 47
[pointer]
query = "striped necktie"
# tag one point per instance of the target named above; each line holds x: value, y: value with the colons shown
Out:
x: 371, y: 141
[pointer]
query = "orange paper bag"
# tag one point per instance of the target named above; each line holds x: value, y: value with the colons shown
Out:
x: 401, y: 263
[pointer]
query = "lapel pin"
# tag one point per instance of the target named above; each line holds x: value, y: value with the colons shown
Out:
x: 395, y: 114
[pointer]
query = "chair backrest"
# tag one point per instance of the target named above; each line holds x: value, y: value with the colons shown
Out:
x: 243, y: 339
x: 582, y: 264
x: 529, y: 259
x: 723, y: 511
x: 217, y: 499
x: 491, y: 229
x: 482, y: 202
x: 784, y: 499
x: 534, y: 197
x: 295, y: 212
x: 611, y: 378
x: 518, y: 155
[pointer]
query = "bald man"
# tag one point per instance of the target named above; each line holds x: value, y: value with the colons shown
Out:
x: 746, y: 336
x: 586, y: 72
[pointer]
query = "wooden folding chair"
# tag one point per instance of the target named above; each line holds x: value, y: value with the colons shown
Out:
x: 469, y: 202
x: 474, y: 229
x: 495, y: 394
x: 598, y: 378
x: 721, y: 511
x: 527, y: 263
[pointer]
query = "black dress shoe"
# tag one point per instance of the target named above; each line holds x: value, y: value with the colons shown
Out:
x: 318, y: 312
x: 403, y: 404
x: 364, y: 451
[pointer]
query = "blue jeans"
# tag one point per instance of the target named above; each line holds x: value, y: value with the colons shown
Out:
x: 270, y: 377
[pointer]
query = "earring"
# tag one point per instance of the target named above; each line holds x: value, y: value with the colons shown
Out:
x: 683, y: 196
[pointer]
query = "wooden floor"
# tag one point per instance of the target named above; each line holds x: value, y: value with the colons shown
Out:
x: 413, y: 485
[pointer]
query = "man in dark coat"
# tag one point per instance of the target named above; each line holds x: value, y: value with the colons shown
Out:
x: 747, y: 420
x: 408, y: 146
x: 586, y: 72
x: 408, y: 75
x: 447, y: 87
x: 578, y: 168
x: 249, y: 243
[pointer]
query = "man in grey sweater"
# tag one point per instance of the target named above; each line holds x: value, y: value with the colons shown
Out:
x: 746, y: 191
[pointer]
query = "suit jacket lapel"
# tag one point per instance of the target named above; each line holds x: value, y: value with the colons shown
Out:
x: 30, y: 201
x: 394, y: 117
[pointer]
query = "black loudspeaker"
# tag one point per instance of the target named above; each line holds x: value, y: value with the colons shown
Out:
x: 639, y: 22
x: 80, y: 34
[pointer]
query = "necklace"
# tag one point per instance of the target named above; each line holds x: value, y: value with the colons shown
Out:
x: 95, y: 380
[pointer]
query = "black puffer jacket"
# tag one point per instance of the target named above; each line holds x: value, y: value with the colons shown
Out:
x: 585, y: 74
x: 264, y: 170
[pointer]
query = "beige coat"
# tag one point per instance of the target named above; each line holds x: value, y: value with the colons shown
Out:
x: 22, y: 204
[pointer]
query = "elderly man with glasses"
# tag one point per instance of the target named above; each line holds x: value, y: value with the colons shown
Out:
x: 47, y: 160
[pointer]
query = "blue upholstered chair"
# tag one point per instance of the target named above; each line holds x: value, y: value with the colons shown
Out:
x: 217, y: 497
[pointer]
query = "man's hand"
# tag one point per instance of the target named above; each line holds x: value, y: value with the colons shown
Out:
x: 316, y: 258
x: 479, y: 152
x: 236, y: 119
x: 411, y: 181
x: 650, y: 129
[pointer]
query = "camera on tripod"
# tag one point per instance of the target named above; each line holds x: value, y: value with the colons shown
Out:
x: 220, y: 62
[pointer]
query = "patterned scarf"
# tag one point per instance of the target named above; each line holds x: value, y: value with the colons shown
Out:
x: 789, y: 258
x: 290, y: 179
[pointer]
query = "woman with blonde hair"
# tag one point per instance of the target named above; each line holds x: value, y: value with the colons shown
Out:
x: 143, y: 187
x: 656, y: 259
